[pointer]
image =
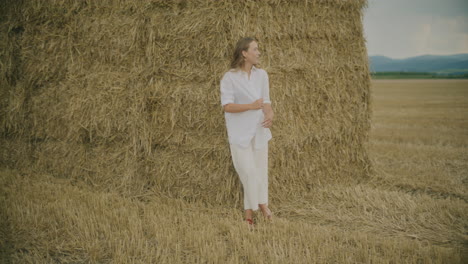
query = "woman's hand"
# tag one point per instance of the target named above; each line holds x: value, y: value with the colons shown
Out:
x: 258, y: 104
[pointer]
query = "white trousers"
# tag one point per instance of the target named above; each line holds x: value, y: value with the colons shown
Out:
x: 252, y: 167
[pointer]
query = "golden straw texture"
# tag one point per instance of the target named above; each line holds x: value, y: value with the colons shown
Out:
x: 124, y: 95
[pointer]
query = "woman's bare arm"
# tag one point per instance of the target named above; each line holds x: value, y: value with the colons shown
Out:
x: 236, y: 108
x: 267, y: 109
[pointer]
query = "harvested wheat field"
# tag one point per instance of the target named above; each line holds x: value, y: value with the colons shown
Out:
x: 114, y: 146
x: 415, y: 210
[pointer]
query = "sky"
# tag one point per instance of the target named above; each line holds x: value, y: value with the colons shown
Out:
x: 407, y: 28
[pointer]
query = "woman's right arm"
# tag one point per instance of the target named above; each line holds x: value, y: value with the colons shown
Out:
x: 236, y: 108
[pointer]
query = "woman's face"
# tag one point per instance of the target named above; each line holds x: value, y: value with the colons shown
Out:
x: 252, y: 54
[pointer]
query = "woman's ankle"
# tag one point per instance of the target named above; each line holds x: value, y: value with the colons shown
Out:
x: 248, y: 213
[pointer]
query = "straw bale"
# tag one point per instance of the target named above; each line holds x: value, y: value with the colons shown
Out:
x: 125, y: 94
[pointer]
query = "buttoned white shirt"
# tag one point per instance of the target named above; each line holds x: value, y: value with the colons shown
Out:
x: 236, y: 87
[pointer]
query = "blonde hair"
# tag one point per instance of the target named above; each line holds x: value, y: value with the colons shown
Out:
x: 238, y: 60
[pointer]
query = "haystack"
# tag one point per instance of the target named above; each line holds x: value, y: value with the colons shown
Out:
x: 125, y: 96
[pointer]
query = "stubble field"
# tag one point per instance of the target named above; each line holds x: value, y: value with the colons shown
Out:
x: 415, y: 209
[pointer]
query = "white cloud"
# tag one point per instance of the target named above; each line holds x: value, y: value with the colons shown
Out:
x: 443, y: 35
x: 421, y: 40
x: 402, y: 29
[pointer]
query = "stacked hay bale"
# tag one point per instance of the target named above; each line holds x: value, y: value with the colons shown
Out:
x: 125, y: 94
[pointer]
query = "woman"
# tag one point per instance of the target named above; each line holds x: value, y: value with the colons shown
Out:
x: 247, y: 110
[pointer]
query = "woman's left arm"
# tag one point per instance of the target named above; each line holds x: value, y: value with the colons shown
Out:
x: 267, y: 109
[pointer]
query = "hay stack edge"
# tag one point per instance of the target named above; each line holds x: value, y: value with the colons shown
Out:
x: 124, y: 95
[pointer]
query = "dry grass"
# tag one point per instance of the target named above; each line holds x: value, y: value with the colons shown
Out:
x: 420, y: 135
x: 415, y: 210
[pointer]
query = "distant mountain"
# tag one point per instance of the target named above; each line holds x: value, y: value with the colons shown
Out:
x: 457, y: 63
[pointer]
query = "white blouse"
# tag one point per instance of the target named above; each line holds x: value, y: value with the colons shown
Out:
x: 237, y: 88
